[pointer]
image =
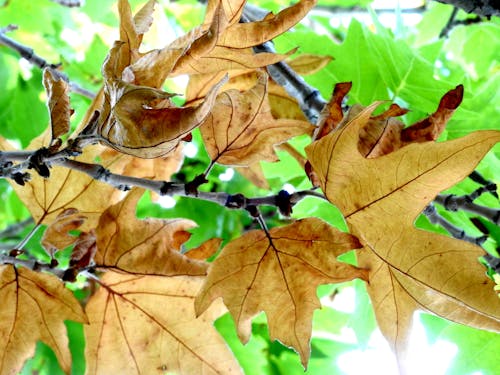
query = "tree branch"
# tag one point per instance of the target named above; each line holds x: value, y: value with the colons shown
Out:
x: 456, y: 232
x: 28, y: 54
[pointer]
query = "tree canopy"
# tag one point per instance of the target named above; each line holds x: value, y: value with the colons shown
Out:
x: 196, y: 187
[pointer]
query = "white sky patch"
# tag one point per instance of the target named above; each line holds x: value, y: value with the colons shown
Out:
x: 344, y: 301
x: 190, y: 149
x: 289, y: 188
x: 227, y: 175
x: 166, y: 201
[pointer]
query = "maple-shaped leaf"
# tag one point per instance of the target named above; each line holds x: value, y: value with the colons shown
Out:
x: 147, y: 325
x: 149, y: 246
x: 381, y: 198
x: 34, y: 307
x: 57, y: 235
x: 278, y: 273
x: 46, y: 198
x: 241, y: 130
x: 58, y: 103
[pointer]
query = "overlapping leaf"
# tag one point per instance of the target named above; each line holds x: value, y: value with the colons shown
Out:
x: 149, y: 246
x: 240, y: 130
x: 34, y: 307
x: 278, y: 273
x: 147, y: 325
x: 380, y: 199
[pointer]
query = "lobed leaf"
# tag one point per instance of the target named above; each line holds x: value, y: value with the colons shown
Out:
x: 147, y: 325
x: 419, y: 269
x: 278, y: 273
x: 34, y: 307
x: 149, y: 246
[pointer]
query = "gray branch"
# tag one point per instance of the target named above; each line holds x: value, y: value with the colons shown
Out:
x: 30, y: 55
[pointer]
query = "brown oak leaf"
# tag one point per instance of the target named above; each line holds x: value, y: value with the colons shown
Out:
x: 147, y: 325
x: 278, y: 273
x: 240, y: 130
x: 149, y: 246
x: 34, y: 307
x: 380, y: 199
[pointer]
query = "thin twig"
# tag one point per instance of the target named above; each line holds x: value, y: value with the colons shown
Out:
x: 310, y: 100
x: 30, y: 55
x: 459, y: 233
x: 15, y: 229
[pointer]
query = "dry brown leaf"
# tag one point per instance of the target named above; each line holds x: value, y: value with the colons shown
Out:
x: 58, y: 103
x: 250, y: 34
x: 56, y: 236
x: 381, y: 198
x: 84, y: 250
x: 282, y: 104
x: 149, y: 246
x: 278, y: 273
x: 306, y: 64
x: 226, y: 44
x: 240, y: 130
x: 384, y: 134
x: 147, y: 325
x: 205, y: 250
x: 142, y: 121
x: 331, y: 116
x: 34, y: 307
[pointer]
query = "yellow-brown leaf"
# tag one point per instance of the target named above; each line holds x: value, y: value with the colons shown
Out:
x: 278, y: 273
x: 306, y: 64
x: 34, y: 307
x: 240, y: 130
x: 381, y: 198
x: 147, y: 325
x: 149, y: 246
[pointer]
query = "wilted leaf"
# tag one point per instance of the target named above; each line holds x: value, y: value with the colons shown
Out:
x: 57, y: 235
x: 34, y: 307
x: 278, y: 273
x: 240, y: 130
x: 383, y: 134
x: 149, y: 246
x: 381, y: 198
x: 147, y: 325
x: 331, y: 116
x: 142, y: 121
x: 58, y: 103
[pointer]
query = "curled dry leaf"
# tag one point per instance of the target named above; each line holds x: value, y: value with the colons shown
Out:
x: 57, y: 235
x: 142, y: 121
x: 149, y: 246
x: 34, y: 307
x: 389, y: 192
x: 278, y: 273
x: 240, y: 130
x: 58, y: 103
x: 147, y: 325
